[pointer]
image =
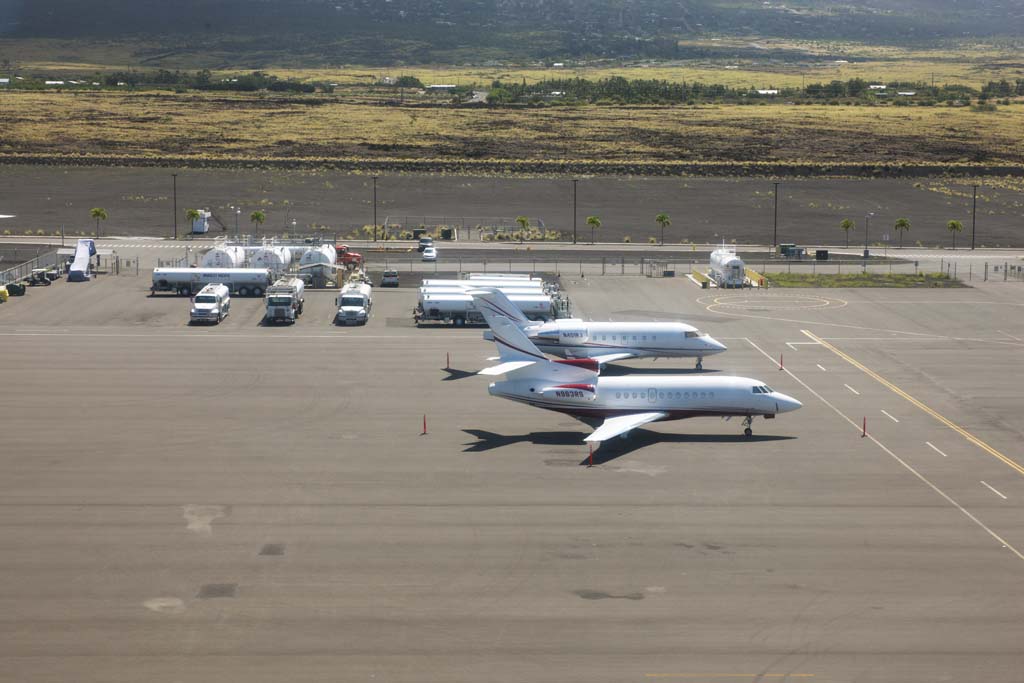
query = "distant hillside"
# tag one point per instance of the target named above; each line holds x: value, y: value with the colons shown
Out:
x: 473, y: 30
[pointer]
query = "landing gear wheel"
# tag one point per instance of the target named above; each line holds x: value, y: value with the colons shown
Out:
x: 748, y: 432
x: 747, y: 422
x: 700, y: 365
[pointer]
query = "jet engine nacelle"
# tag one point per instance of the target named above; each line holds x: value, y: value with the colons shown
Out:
x: 570, y: 393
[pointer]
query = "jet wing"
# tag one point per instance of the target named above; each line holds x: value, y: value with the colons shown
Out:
x: 506, y: 367
x: 612, y: 357
x: 614, y: 426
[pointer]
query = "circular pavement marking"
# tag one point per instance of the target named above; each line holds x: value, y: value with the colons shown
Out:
x: 769, y: 302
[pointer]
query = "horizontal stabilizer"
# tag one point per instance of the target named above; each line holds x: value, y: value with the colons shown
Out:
x: 616, y: 426
x: 506, y: 368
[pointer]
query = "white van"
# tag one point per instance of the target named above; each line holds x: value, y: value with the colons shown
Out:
x: 211, y: 304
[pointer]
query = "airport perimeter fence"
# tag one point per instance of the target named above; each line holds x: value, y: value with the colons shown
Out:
x: 23, y: 270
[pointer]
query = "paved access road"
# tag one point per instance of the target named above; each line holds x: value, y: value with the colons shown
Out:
x: 243, y: 503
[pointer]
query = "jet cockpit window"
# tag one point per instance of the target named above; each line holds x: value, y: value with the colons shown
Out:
x: 691, y: 334
x: 762, y: 389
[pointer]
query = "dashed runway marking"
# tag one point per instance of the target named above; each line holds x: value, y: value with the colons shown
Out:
x: 889, y: 416
x: 993, y: 490
x: 852, y: 389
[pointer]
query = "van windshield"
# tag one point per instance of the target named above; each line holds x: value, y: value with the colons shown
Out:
x: 351, y: 301
x: 206, y: 299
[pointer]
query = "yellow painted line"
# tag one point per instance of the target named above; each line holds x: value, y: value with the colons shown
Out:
x: 896, y: 390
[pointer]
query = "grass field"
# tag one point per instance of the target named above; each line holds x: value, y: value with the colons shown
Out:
x: 263, y: 125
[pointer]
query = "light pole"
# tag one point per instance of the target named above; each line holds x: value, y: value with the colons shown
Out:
x: 867, y: 224
x: 374, y: 208
x: 974, y: 214
x: 174, y: 177
x: 775, y: 232
x: 236, y: 210
x: 574, y: 181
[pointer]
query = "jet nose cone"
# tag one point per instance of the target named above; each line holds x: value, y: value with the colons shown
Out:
x: 788, y: 403
x: 715, y: 346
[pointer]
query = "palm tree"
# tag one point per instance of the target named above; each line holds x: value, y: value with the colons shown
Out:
x: 899, y: 226
x: 524, y: 225
x: 663, y: 220
x: 98, y: 215
x: 594, y: 222
x: 846, y: 226
x: 955, y: 227
x: 256, y: 218
x: 192, y: 215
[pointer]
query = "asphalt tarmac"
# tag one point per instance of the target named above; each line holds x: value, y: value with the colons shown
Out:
x: 244, y: 503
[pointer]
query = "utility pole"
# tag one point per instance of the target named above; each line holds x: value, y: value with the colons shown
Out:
x: 574, y: 181
x: 374, y: 208
x: 867, y: 224
x: 775, y: 231
x: 174, y: 176
x: 974, y: 214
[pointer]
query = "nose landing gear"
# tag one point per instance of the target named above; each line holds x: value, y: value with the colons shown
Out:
x: 747, y: 422
x: 700, y: 364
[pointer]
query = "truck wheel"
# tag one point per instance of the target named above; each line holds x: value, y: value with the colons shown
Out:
x: 184, y: 291
x: 257, y: 291
x: 243, y: 291
x: 459, y: 322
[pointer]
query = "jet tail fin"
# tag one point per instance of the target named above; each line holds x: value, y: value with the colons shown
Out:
x: 520, y: 358
x: 492, y: 303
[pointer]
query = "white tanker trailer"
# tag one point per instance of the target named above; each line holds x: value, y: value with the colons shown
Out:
x: 459, y: 309
x: 185, y: 281
x: 319, y: 261
x: 727, y: 270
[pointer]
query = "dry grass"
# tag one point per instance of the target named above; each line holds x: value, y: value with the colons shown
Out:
x: 255, y: 125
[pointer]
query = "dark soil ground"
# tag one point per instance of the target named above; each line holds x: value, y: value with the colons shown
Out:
x: 140, y: 202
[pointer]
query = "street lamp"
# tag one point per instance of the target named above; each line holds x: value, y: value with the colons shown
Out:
x: 974, y: 214
x: 574, y: 181
x: 174, y: 177
x: 775, y: 231
x: 236, y: 210
x: 374, y: 208
x: 867, y: 224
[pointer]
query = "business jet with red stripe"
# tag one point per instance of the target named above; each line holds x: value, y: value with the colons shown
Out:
x: 605, y: 342
x: 620, y: 404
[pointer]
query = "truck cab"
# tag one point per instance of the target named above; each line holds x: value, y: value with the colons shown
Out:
x: 354, y: 303
x: 211, y: 304
x: 285, y: 300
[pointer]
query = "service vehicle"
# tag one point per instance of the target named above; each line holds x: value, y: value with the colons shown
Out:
x: 459, y: 309
x: 389, y: 278
x: 354, y: 303
x: 285, y: 299
x: 211, y: 304
x: 727, y: 269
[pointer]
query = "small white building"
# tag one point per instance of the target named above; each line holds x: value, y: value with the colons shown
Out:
x: 441, y: 87
x: 53, y: 83
x: 877, y: 86
x: 768, y: 92
x: 906, y: 93
x: 5, y: 81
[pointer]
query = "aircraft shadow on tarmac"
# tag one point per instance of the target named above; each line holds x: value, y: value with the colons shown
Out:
x: 621, y: 370
x: 454, y: 373
x: 608, y: 450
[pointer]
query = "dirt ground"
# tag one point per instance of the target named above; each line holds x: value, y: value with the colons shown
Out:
x: 140, y: 202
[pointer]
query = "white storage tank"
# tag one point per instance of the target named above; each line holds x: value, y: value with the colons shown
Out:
x: 277, y: 259
x: 224, y: 257
x: 324, y: 256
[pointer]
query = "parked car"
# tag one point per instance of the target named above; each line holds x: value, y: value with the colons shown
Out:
x: 426, y: 243
x: 430, y: 254
x: 389, y: 278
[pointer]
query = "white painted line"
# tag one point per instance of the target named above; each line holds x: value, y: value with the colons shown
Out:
x: 889, y: 416
x: 932, y: 446
x: 821, y: 368
x: 1009, y: 335
x: 852, y: 389
x: 945, y: 496
x: 989, y: 487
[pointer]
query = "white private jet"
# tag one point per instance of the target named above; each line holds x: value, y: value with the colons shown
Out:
x: 604, y: 342
x: 575, y: 387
